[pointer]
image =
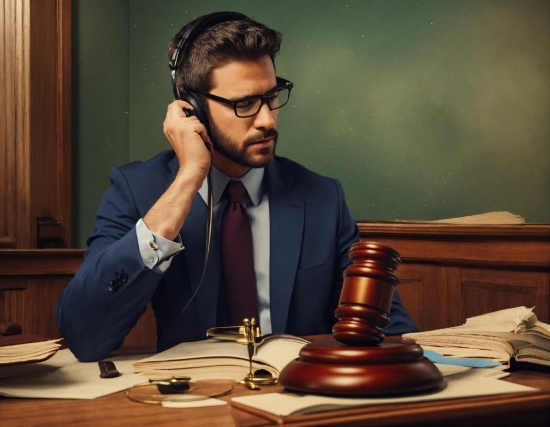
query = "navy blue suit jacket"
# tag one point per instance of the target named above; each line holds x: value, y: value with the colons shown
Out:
x: 311, y: 231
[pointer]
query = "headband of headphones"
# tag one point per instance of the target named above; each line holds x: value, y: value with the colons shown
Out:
x: 191, y: 33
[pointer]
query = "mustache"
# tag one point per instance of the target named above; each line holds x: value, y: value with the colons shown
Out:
x: 270, y: 133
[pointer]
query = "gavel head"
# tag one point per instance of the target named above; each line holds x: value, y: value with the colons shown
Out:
x: 367, y: 294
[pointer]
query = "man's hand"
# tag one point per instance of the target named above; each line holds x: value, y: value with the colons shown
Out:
x: 193, y: 147
x: 189, y: 139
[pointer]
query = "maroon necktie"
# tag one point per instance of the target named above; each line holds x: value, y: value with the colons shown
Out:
x: 238, y: 257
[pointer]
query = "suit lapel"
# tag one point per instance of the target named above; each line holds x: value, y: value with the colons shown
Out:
x: 286, y: 210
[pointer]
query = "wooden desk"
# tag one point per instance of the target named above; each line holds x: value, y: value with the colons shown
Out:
x: 531, y: 409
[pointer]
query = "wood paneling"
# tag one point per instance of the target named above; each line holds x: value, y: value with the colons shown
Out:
x: 452, y: 272
x: 31, y: 282
x: 440, y: 288
x: 35, y: 132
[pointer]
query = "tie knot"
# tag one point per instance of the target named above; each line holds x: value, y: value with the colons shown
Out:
x: 235, y: 191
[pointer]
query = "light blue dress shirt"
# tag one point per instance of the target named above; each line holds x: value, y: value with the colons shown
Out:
x: 157, y: 252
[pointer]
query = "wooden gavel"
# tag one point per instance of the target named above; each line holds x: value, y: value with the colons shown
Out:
x: 356, y: 361
x: 367, y: 293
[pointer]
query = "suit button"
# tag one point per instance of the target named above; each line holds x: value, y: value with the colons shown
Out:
x: 117, y: 281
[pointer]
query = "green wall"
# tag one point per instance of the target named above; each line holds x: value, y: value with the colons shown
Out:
x: 423, y: 109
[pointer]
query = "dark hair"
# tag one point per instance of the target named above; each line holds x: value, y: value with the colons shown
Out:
x: 243, y: 39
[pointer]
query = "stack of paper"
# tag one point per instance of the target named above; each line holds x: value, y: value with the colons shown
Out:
x: 513, y: 333
x: 28, y: 352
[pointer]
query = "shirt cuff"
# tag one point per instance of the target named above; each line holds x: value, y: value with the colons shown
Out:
x: 156, y: 251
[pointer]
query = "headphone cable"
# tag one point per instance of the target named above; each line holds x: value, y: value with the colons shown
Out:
x: 206, y: 252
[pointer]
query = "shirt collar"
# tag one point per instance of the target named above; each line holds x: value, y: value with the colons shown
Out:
x: 252, y: 180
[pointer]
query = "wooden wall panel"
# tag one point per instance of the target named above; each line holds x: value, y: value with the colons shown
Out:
x: 30, y: 285
x: 484, y: 289
x: 410, y: 289
x: 12, y: 304
x: 143, y: 336
x: 35, y: 133
x: 422, y: 295
x: 467, y: 270
x: 14, y: 71
x: 31, y: 282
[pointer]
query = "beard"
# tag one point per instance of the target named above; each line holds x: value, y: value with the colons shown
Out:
x: 239, y: 154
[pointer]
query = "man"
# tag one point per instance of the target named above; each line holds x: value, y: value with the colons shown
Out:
x: 149, y: 233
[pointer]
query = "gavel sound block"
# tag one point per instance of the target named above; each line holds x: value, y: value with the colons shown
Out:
x: 356, y: 361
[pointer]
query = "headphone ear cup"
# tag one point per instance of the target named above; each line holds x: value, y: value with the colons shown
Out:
x: 197, y: 107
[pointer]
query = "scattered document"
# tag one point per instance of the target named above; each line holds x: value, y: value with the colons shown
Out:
x: 486, y: 218
x: 502, y: 335
x: 64, y: 377
x: 456, y: 386
x: 195, y: 404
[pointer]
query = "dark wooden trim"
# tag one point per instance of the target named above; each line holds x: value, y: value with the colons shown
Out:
x: 493, y: 246
x: 40, y: 262
x: 424, y: 230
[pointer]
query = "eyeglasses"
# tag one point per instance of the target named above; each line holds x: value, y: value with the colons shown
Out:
x: 250, y: 105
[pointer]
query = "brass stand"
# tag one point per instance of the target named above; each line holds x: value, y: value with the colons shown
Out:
x: 249, y: 334
x: 252, y: 338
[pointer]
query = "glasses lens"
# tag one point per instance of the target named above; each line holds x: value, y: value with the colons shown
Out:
x: 251, y: 106
x: 281, y: 99
x: 248, y: 107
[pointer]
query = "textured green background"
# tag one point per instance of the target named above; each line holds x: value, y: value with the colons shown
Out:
x: 423, y: 109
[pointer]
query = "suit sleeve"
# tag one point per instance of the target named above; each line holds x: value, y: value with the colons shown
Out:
x: 112, y: 287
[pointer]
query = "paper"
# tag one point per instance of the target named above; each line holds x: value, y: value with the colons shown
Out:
x: 28, y: 352
x: 459, y: 386
x: 195, y: 404
x: 64, y: 377
x: 460, y: 361
x: 214, y: 359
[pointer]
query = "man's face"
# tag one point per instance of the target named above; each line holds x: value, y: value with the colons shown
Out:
x: 242, y: 143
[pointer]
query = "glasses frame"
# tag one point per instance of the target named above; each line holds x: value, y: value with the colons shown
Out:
x: 282, y: 84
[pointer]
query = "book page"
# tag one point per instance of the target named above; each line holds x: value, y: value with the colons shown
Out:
x: 280, y: 351
x: 533, y: 355
x: 515, y: 320
x: 272, y: 355
x: 230, y: 372
x: 490, y: 335
x: 198, y: 349
x: 535, y: 340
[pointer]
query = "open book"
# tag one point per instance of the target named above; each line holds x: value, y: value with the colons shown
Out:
x: 503, y: 335
x: 213, y: 359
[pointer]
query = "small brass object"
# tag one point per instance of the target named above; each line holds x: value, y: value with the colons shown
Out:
x: 248, y: 334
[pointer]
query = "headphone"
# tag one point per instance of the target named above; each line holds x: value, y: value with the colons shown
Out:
x: 188, y: 36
